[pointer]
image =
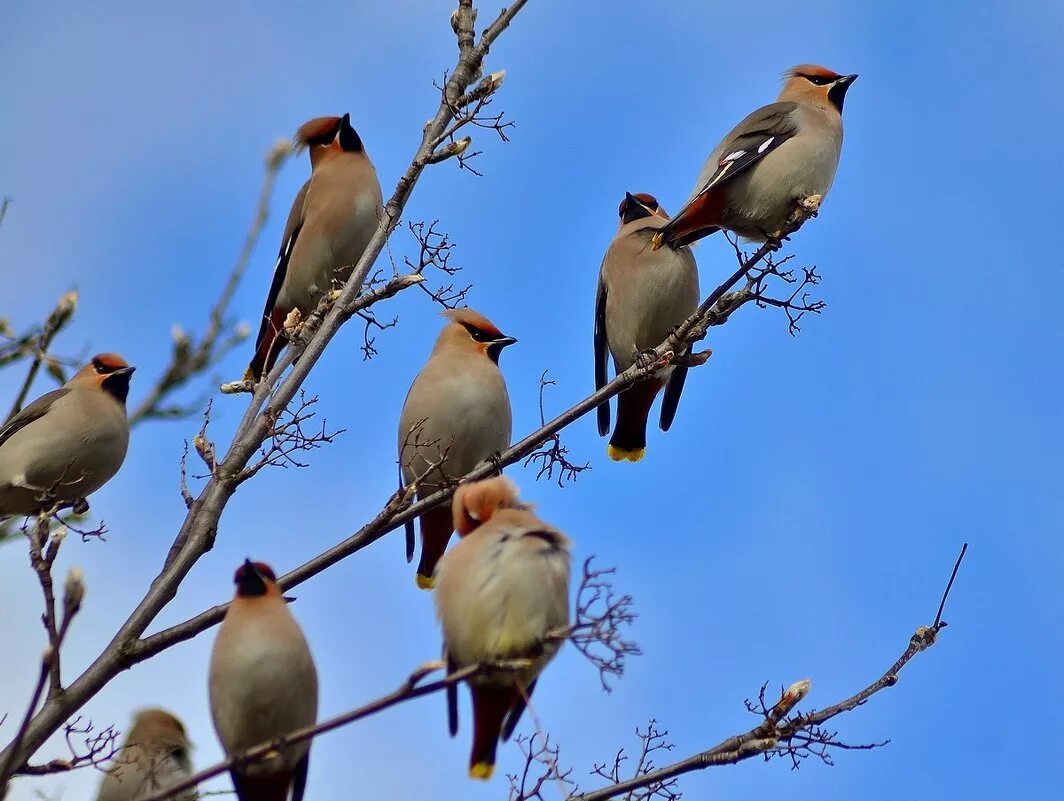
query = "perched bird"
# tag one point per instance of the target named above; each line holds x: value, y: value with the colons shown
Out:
x: 263, y: 684
x: 331, y: 222
x: 642, y: 295
x: 154, y: 758
x: 780, y: 159
x: 69, y: 442
x: 501, y: 590
x: 456, y: 415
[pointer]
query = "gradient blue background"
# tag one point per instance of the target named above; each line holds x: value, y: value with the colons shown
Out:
x: 801, y: 517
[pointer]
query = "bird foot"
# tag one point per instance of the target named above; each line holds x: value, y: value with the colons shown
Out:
x: 693, y: 359
x: 293, y: 324
x: 645, y: 359
x: 80, y: 506
x: 810, y: 205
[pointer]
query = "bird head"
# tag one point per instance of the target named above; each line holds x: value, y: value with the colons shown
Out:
x: 326, y: 136
x: 638, y: 206
x: 106, y: 371
x: 157, y: 732
x: 809, y: 83
x: 475, y: 503
x: 254, y: 579
x: 469, y: 329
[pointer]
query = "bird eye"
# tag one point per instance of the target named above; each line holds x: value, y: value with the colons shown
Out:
x: 101, y: 368
x: 819, y: 80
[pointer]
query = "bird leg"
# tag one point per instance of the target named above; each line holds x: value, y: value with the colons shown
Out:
x: 648, y: 358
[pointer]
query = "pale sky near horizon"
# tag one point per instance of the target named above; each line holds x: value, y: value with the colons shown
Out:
x: 802, y: 516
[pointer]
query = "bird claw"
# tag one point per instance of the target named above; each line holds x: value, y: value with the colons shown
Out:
x: 810, y: 205
x: 645, y: 359
x: 80, y: 506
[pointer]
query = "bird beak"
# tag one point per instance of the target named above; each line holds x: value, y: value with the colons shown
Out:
x: 634, y: 209
x: 846, y: 80
x: 124, y: 371
x: 502, y: 342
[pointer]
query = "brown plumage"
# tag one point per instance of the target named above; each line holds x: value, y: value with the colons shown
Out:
x: 457, y: 413
x: 69, y: 442
x: 332, y: 220
x: 642, y: 295
x: 154, y: 757
x: 263, y: 684
x: 782, y: 156
x: 502, y: 589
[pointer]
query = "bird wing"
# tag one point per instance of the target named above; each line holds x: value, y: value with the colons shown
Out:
x: 409, y: 525
x: 288, y: 242
x: 35, y: 411
x: 751, y: 140
x: 601, y: 355
x: 452, y: 698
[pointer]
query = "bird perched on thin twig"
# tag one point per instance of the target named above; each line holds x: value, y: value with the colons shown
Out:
x: 332, y: 220
x: 502, y: 590
x: 263, y: 684
x: 154, y: 758
x: 69, y: 442
x: 456, y: 414
x: 779, y: 160
x: 642, y: 296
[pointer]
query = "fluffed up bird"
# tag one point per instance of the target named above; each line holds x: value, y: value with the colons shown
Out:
x: 69, y: 442
x: 778, y: 161
x: 502, y: 589
x: 263, y: 684
x: 642, y: 295
x: 155, y: 757
x: 331, y: 222
x: 456, y: 415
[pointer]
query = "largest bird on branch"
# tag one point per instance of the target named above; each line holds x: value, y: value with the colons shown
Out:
x: 332, y: 220
x: 779, y: 161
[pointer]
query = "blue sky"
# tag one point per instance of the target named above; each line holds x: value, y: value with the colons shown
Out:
x: 801, y: 517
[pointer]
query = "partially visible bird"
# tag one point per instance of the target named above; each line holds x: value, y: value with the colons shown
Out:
x: 154, y: 757
x: 642, y: 296
x: 332, y: 220
x: 69, y: 442
x: 779, y: 160
x: 263, y: 684
x: 456, y: 415
x: 502, y: 589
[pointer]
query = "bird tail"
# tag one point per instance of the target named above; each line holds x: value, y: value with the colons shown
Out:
x: 436, y: 529
x: 261, y: 788
x: 694, y: 221
x: 267, y: 349
x: 629, y: 440
x: 491, y: 703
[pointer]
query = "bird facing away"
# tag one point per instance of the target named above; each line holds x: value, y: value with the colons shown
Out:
x: 263, y: 684
x: 154, y: 758
x: 69, y: 442
x: 332, y: 220
x: 642, y: 295
x: 779, y: 160
x: 502, y: 589
x: 456, y: 415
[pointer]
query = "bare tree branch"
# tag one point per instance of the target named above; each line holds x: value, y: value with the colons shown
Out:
x: 189, y: 358
x: 37, y: 343
x: 781, y: 734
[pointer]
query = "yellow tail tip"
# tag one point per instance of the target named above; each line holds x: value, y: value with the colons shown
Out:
x: 425, y: 582
x: 481, y: 770
x: 657, y: 241
x: 622, y: 455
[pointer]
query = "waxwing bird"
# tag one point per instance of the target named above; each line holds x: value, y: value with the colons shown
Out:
x: 155, y: 757
x: 780, y: 159
x: 456, y: 415
x: 332, y: 220
x: 263, y: 684
x: 69, y: 442
x: 502, y: 589
x: 642, y: 295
